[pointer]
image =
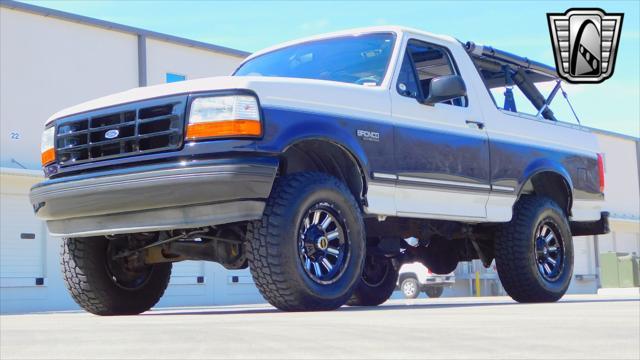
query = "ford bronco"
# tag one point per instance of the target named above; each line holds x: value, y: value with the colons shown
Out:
x: 311, y: 164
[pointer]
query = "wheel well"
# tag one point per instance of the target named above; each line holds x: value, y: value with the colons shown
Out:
x: 405, y: 276
x: 326, y: 157
x: 552, y: 185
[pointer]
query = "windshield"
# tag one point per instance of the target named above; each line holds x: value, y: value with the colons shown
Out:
x: 351, y: 59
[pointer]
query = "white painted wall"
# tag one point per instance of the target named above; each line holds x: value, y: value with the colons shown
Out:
x: 48, y: 64
x: 164, y: 57
x: 622, y: 188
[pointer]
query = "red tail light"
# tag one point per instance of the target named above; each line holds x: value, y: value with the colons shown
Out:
x: 601, y: 171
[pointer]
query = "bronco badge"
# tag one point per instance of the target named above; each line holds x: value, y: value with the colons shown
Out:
x: 368, y: 135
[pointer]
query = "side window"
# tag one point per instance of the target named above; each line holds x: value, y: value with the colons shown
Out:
x: 428, y: 62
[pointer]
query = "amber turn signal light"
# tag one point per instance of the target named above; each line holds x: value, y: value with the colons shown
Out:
x: 227, y: 128
x: 48, y: 156
x: 47, y: 148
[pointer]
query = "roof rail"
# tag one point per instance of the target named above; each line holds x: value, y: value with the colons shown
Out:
x: 506, y: 57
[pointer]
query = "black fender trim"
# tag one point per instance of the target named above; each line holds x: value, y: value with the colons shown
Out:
x: 585, y: 228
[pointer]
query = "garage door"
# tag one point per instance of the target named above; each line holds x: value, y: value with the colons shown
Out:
x: 21, y: 239
x: 187, y: 272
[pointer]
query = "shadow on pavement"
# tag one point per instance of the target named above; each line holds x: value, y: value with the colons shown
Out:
x: 235, y: 311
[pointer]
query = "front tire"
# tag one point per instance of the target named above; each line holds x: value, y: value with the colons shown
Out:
x: 103, y: 286
x: 307, y: 252
x: 534, y: 252
x: 378, y: 282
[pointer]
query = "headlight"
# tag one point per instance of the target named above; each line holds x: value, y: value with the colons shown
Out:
x: 224, y: 116
x: 47, y: 148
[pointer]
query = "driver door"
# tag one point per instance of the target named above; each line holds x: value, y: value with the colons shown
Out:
x: 441, y: 151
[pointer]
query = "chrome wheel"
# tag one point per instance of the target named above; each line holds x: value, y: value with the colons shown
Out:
x: 323, y: 244
x: 549, y: 250
x: 409, y: 288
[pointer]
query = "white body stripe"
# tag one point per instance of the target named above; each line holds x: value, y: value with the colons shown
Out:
x: 500, y: 207
x: 381, y: 199
x: 586, y: 210
x: 439, y: 203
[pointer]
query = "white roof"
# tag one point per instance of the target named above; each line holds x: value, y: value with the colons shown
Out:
x: 398, y: 30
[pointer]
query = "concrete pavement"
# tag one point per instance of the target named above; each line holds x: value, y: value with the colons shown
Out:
x: 580, y: 326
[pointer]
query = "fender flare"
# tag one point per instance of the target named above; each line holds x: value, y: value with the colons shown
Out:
x: 546, y: 165
x: 330, y: 133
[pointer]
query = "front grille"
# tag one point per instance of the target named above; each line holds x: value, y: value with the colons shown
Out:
x: 126, y: 130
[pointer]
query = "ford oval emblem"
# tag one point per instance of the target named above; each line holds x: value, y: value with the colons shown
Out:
x: 112, y: 134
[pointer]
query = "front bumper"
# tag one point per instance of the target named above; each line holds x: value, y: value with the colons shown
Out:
x: 156, y: 197
x: 440, y: 280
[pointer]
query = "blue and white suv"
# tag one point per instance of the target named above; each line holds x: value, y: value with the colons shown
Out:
x: 311, y: 164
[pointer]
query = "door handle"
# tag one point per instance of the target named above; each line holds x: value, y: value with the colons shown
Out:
x: 478, y: 124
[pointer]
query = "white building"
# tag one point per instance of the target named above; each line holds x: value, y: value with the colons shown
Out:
x: 50, y: 60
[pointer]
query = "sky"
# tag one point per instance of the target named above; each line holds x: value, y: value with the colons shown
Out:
x: 516, y: 26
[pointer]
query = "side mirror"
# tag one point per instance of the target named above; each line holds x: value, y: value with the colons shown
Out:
x: 443, y: 88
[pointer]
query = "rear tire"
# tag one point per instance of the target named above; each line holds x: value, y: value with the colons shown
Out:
x: 297, y: 262
x: 101, y: 286
x: 434, y: 291
x: 410, y: 288
x: 534, y: 252
x: 378, y: 282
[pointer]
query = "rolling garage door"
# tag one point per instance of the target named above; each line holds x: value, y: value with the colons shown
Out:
x: 22, y: 240
x: 187, y: 272
x: 22, y: 247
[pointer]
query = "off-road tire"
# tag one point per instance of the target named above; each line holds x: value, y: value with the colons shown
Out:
x: 515, y: 251
x: 368, y: 294
x: 413, y: 281
x: 272, y: 246
x: 434, y: 291
x: 85, y: 273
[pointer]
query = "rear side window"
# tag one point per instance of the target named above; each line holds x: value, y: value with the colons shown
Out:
x: 423, y: 62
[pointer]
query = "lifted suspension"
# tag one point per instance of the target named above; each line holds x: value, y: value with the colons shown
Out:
x: 221, y: 245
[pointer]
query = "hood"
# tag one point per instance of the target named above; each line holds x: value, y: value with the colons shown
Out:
x: 307, y: 94
x: 149, y: 92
